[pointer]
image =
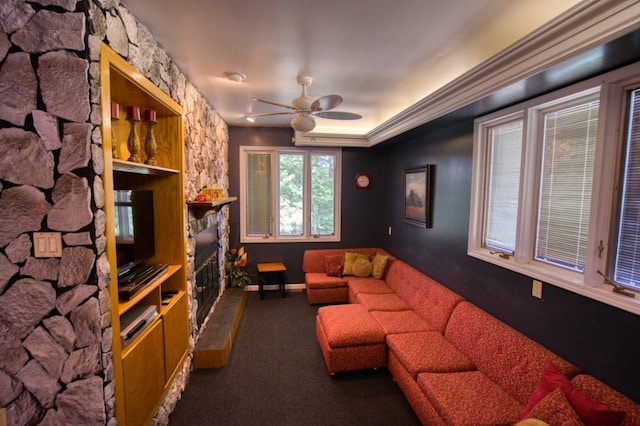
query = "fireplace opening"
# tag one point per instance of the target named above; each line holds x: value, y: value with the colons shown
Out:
x: 207, y: 270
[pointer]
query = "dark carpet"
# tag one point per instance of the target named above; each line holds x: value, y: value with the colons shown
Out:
x: 276, y: 376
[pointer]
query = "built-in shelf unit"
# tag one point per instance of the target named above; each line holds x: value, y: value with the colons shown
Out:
x: 146, y: 367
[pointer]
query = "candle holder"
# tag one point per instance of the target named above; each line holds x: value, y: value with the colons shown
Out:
x: 133, y: 117
x: 115, y: 116
x: 150, y: 145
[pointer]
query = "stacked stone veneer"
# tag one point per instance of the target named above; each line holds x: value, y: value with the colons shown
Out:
x: 55, y: 313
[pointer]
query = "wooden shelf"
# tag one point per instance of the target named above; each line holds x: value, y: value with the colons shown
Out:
x: 125, y: 306
x: 201, y: 208
x: 141, y: 169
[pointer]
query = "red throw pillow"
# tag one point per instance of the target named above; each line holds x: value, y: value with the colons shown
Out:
x: 334, y: 264
x: 591, y: 412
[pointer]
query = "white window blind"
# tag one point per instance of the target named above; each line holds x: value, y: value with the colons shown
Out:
x: 627, y: 259
x: 258, y: 193
x: 565, y: 185
x: 505, y: 148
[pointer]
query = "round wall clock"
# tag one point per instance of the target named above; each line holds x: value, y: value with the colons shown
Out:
x: 363, y: 181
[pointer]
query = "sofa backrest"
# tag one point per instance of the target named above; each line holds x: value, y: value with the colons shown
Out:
x: 613, y: 399
x: 505, y: 355
x: 430, y: 299
x: 314, y: 260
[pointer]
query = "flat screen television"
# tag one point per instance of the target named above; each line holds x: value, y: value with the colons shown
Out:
x: 134, y: 227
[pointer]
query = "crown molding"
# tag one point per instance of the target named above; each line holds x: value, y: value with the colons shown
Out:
x: 329, y: 139
x: 582, y: 27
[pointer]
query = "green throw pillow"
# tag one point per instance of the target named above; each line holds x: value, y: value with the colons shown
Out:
x: 379, y: 263
x: 349, y: 259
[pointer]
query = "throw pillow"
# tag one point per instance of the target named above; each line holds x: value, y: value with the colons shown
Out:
x: 362, y: 268
x: 555, y: 409
x: 349, y: 259
x: 379, y: 264
x: 334, y: 265
x: 590, y: 411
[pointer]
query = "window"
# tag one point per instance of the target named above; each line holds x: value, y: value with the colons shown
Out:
x: 556, y: 188
x: 289, y: 194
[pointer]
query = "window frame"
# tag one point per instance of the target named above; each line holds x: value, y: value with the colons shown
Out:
x: 612, y: 88
x: 274, y: 236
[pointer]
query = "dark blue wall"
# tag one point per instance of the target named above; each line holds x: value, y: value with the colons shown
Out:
x: 599, y: 339
x: 362, y: 210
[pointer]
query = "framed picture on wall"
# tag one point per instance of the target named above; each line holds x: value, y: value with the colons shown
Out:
x: 416, y: 204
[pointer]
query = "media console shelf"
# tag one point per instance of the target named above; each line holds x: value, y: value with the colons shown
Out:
x: 145, y: 369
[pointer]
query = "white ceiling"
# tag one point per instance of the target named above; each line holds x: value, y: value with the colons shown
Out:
x: 381, y: 56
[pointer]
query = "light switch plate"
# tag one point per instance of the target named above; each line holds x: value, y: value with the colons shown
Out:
x: 47, y: 244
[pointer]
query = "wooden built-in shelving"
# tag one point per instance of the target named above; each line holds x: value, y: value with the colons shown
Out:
x: 146, y: 368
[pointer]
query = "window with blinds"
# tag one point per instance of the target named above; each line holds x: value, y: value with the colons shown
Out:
x: 503, y: 186
x: 556, y: 188
x: 569, y: 146
x: 289, y: 194
x: 626, y: 269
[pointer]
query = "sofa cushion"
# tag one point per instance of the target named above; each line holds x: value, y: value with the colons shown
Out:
x: 613, y: 399
x: 367, y: 285
x: 394, y: 322
x: 349, y: 325
x: 555, y: 409
x: 379, y: 263
x: 429, y: 352
x: 334, y: 264
x: 427, y: 297
x: 362, y: 267
x: 506, y: 356
x: 382, y: 302
x: 469, y: 397
x: 591, y: 412
x: 322, y: 280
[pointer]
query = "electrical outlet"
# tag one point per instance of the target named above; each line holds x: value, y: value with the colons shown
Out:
x: 536, y: 290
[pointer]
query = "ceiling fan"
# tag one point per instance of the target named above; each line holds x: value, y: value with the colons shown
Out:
x: 306, y: 108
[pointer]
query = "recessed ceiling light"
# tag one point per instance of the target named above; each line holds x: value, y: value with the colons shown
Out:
x: 235, y: 76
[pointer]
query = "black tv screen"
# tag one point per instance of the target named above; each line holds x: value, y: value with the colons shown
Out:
x: 134, y: 226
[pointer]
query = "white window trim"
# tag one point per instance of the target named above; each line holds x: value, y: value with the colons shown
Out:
x: 612, y: 86
x: 275, y: 237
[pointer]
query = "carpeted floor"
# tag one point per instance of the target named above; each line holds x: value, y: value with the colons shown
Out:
x: 276, y: 376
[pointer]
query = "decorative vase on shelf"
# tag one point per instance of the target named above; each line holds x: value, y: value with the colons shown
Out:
x: 150, y: 145
x: 115, y: 116
x: 133, y: 144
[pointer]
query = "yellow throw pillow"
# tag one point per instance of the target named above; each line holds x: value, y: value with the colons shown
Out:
x: 379, y: 264
x: 349, y: 259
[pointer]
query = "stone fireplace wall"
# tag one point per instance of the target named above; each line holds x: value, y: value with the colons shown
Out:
x: 55, y: 332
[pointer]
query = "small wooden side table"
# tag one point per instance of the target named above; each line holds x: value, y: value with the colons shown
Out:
x: 270, y: 268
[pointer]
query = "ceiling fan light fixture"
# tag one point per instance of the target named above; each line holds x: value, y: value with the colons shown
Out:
x: 303, y: 122
x: 235, y: 76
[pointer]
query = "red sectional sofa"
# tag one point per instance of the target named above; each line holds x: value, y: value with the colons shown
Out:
x: 455, y: 363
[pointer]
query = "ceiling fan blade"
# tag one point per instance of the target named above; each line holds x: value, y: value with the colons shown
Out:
x: 326, y: 102
x: 338, y: 115
x: 274, y: 103
x: 266, y: 114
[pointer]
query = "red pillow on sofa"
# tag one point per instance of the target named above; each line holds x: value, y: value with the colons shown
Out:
x: 334, y: 264
x: 591, y: 412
